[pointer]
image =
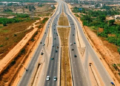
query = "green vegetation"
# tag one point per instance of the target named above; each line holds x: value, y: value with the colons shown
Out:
x: 119, y: 50
x: 22, y: 15
x: 115, y: 66
x: 97, y: 20
x: 41, y: 5
x: 7, y: 10
x: 1, y: 45
x: 18, y: 18
x: 13, y: 62
x: 22, y: 51
x: 44, y: 20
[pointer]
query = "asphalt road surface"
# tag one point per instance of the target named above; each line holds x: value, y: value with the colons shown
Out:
x: 101, y: 69
x: 79, y: 78
x: 26, y: 78
x: 53, y: 64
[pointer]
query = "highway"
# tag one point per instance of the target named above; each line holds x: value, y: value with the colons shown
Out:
x: 27, y: 77
x: 53, y: 64
x: 79, y: 78
x: 101, y: 69
x: 79, y: 70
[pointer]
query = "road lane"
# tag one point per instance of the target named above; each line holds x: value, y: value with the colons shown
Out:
x: 26, y: 78
x: 98, y: 64
x: 53, y: 64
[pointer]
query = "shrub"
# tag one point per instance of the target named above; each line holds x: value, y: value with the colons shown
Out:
x: 22, y: 51
x: 15, y: 35
x: 6, y: 38
x: 1, y: 45
x: 13, y: 62
x: 119, y: 50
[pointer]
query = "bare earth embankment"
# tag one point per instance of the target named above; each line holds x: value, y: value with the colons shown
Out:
x: 66, y: 79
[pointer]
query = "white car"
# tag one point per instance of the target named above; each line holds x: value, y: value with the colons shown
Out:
x: 48, y: 78
x: 71, y: 44
x: 55, y: 78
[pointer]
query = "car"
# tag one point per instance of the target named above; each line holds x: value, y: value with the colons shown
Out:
x: 42, y: 53
x: 54, y: 38
x: 52, y: 58
x: 71, y: 44
x: 56, y: 51
x: 90, y: 64
x: 53, y: 46
x: 72, y: 49
x: 43, y: 44
x: 45, y: 32
x: 75, y: 55
x: 48, y: 78
x: 74, y: 42
x: 40, y: 42
x: 112, y: 84
x: 55, y: 78
x: 73, y: 34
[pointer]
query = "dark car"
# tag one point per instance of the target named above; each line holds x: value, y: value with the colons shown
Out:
x: 52, y: 58
x: 72, y: 49
x: 75, y: 55
x: 42, y: 53
x: 40, y: 42
x: 56, y: 51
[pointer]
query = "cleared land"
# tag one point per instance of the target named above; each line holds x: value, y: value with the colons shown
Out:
x: 10, y: 36
x: 66, y: 78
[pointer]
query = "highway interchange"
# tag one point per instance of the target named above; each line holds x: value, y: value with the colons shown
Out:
x: 79, y: 70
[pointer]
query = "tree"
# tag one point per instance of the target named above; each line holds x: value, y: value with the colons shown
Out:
x: 102, y: 17
x: 4, y: 23
x: 111, y: 22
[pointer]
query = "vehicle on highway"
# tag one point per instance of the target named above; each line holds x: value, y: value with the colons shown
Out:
x: 40, y: 42
x: 74, y: 42
x: 73, y: 34
x: 45, y: 32
x: 112, y: 84
x: 42, y: 53
x: 75, y: 55
x: 56, y: 51
x: 53, y: 46
x: 90, y: 64
x: 48, y: 78
x: 72, y: 49
x: 43, y: 44
x: 55, y: 78
x: 54, y: 38
x: 71, y: 44
x: 52, y: 58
